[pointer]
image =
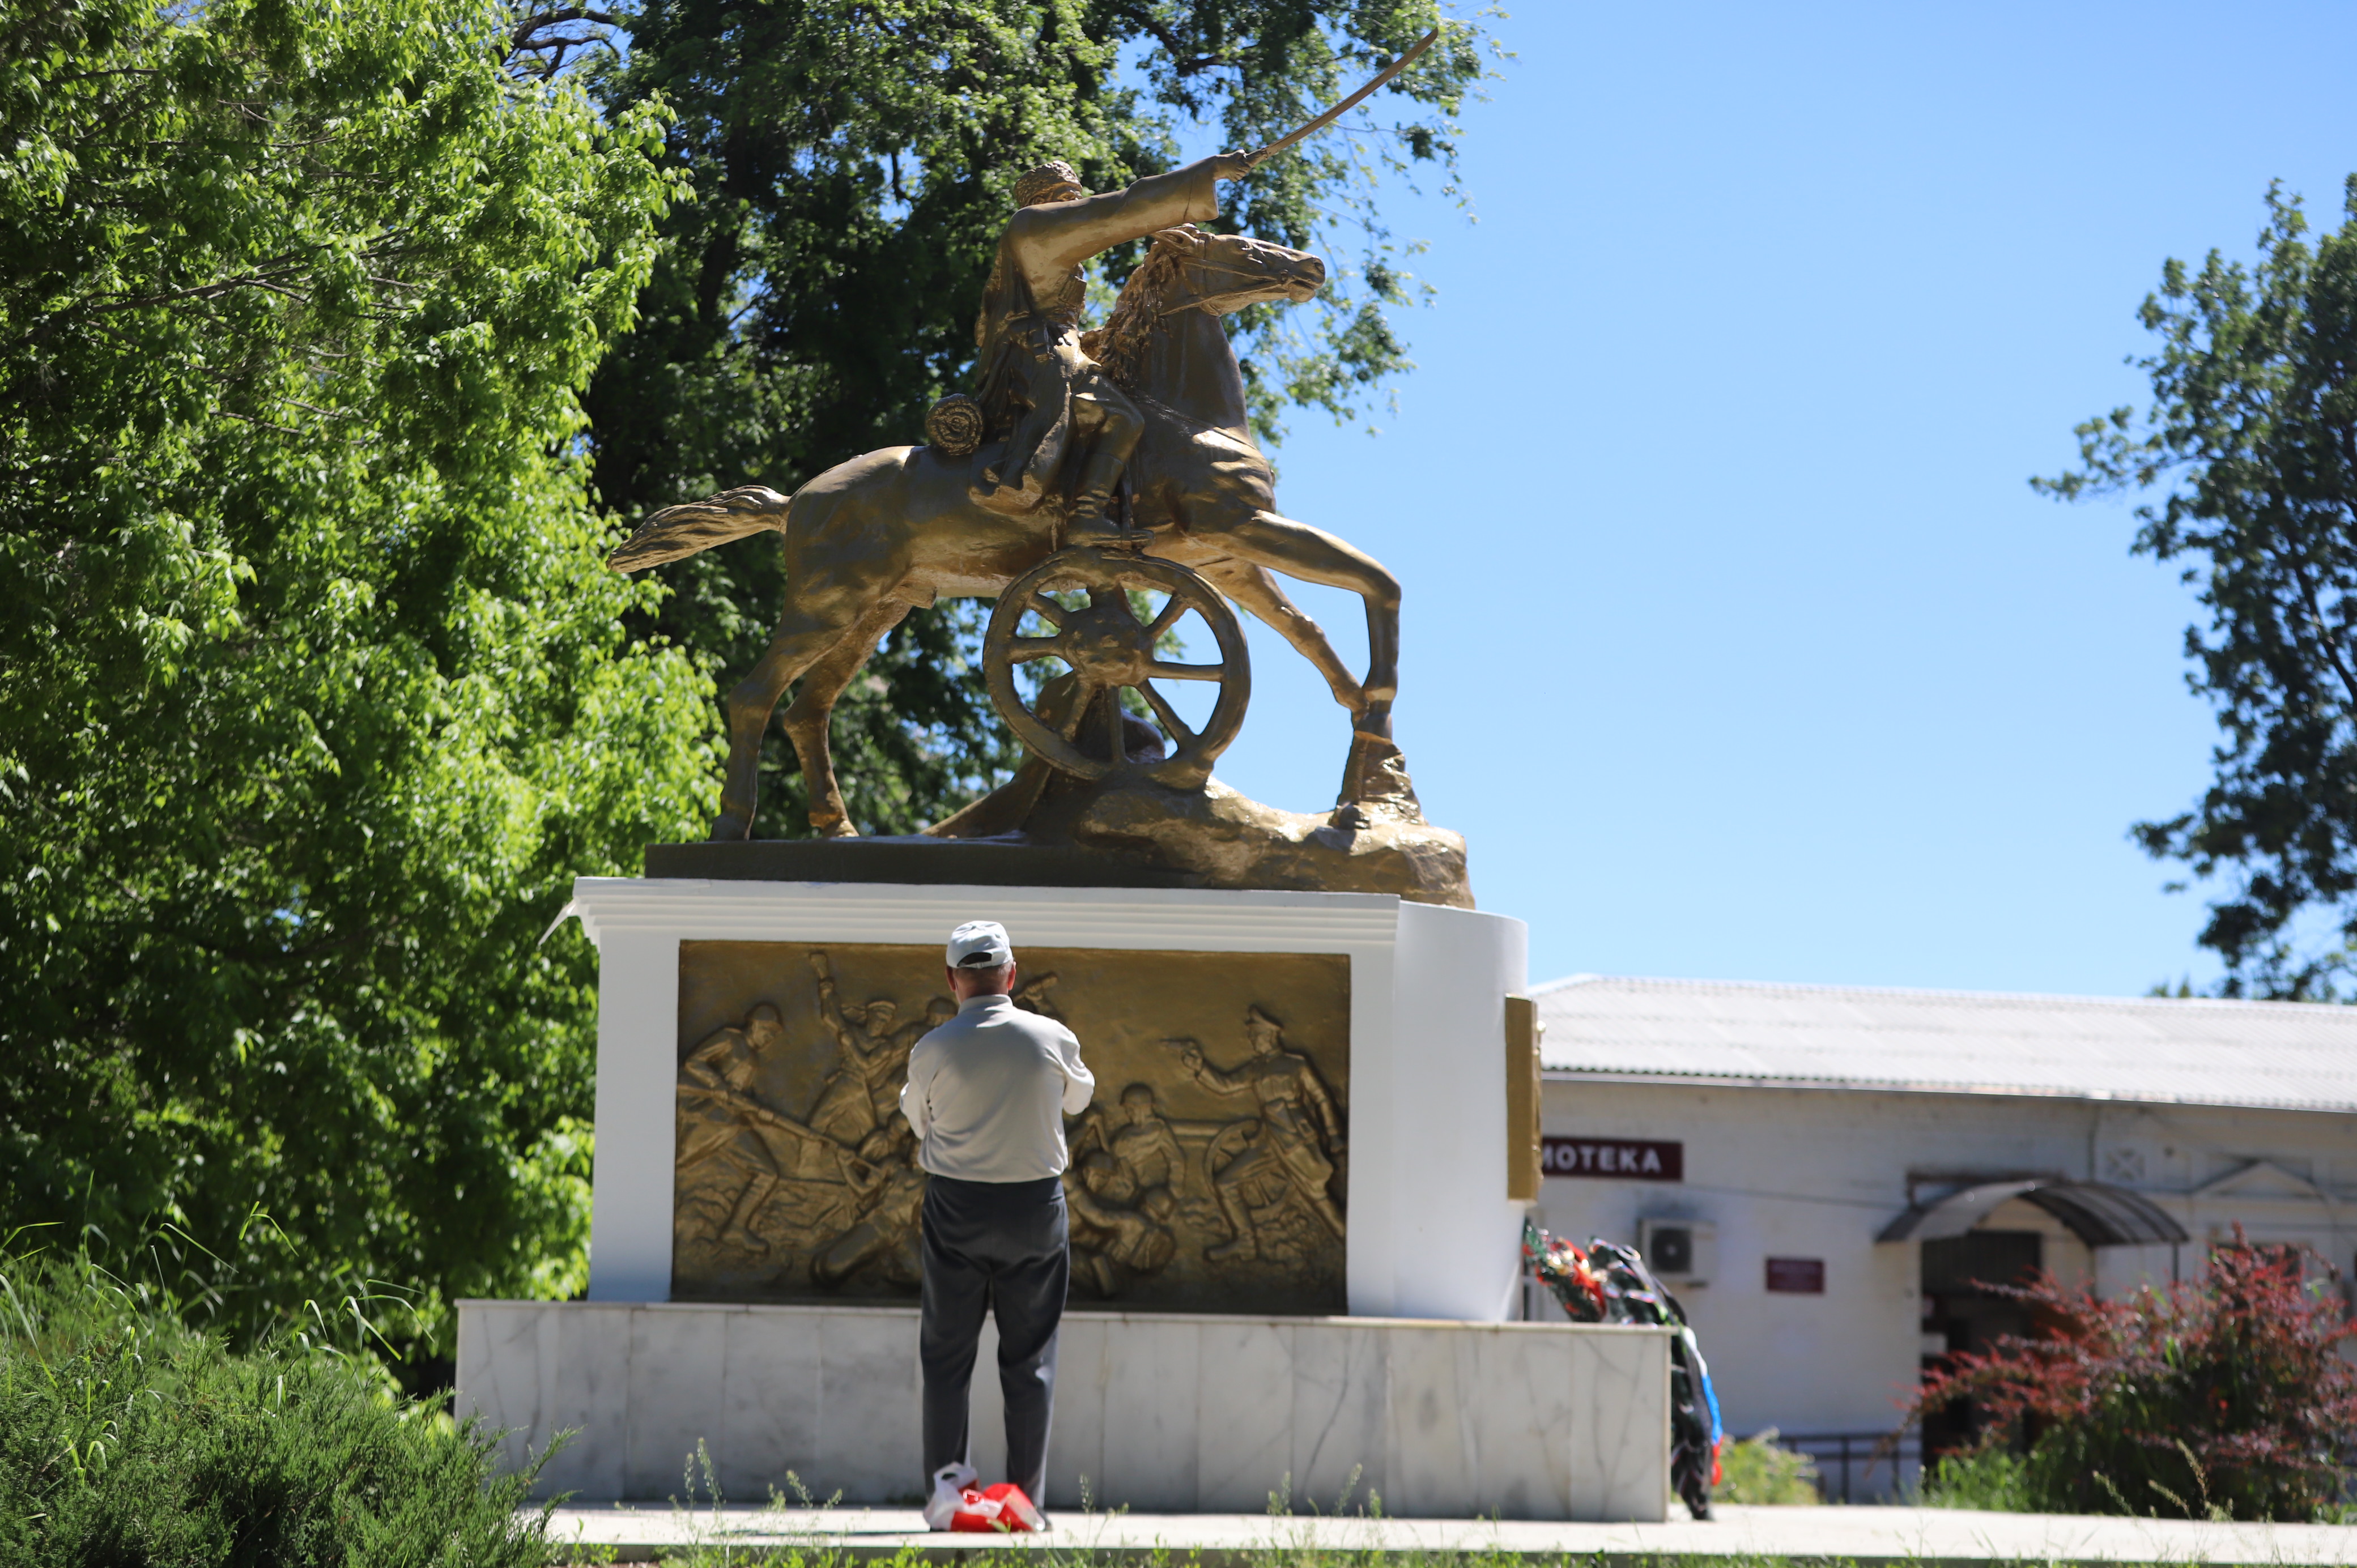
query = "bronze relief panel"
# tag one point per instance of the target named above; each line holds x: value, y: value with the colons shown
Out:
x: 1209, y: 1175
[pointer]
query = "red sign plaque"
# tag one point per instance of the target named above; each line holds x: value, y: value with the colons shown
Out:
x: 1614, y: 1159
x: 1797, y: 1276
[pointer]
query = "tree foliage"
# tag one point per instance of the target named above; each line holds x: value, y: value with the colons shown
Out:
x: 2252, y: 437
x: 851, y: 167
x: 313, y: 694
x: 2228, y: 1397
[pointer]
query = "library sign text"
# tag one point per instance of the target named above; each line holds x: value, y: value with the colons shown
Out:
x: 1615, y: 1159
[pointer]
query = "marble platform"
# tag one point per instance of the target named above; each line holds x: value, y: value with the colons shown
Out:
x: 1160, y: 1412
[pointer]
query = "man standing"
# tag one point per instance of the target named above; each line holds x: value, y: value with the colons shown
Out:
x: 987, y: 1093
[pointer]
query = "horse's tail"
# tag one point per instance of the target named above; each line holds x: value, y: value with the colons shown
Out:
x: 678, y: 532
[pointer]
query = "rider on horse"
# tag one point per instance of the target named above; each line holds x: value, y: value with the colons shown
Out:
x: 1069, y: 429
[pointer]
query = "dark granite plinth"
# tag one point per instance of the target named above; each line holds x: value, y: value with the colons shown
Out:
x: 976, y: 862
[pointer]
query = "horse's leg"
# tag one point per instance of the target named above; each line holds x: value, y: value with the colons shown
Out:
x: 806, y: 720
x: 1312, y: 554
x: 817, y: 614
x: 1375, y: 771
x: 1258, y: 591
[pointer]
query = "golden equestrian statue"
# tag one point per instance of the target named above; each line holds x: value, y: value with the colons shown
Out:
x: 1095, y: 463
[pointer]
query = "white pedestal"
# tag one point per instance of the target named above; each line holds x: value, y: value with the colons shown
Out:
x: 1159, y: 1412
x: 1439, y: 1405
x: 1431, y: 1233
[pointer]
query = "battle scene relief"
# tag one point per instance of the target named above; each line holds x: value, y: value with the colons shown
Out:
x: 1210, y: 1174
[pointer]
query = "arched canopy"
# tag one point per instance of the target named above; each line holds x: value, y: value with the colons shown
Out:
x: 2099, y: 1215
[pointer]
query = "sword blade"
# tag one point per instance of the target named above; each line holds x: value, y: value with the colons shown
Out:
x: 1382, y: 80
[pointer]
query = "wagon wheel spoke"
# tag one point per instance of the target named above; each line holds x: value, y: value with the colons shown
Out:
x: 1081, y: 693
x: 1021, y: 649
x: 1180, y: 735
x: 1116, y: 742
x: 1169, y: 669
x: 1172, y: 611
x: 1047, y: 609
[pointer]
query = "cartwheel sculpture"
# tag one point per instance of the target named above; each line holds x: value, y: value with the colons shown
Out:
x: 1092, y: 474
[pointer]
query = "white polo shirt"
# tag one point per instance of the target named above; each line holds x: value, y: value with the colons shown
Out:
x: 988, y: 1092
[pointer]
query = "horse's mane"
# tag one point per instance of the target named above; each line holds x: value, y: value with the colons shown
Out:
x: 1120, y: 344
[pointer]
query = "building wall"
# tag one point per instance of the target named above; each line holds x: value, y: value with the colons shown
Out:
x: 1815, y: 1174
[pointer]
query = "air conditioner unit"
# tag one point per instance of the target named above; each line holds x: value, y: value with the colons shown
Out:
x: 1681, y: 1252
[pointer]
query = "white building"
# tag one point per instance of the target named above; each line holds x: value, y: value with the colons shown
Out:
x: 1821, y: 1172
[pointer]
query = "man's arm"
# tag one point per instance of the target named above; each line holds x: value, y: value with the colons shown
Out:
x: 1080, y: 1083
x: 912, y: 1093
x: 1065, y: 233
x: 830, y: 1009
x: 1190, y: 1056
x: 1314, y: 1089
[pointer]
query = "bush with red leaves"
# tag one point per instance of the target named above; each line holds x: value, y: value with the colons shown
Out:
x: 2223, y: 1398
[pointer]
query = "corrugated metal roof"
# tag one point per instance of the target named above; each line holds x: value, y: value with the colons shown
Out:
x: 2296, y: 1055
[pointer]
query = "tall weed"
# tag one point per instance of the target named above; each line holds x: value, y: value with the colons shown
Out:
x: 1755, y: 1470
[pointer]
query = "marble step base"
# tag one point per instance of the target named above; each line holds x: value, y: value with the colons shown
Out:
x: 1160, y: 1412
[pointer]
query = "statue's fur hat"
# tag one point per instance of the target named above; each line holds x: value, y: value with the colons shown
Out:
x: 1036, y: 184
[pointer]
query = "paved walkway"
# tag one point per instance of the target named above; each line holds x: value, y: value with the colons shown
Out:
x: 1861, y: 1535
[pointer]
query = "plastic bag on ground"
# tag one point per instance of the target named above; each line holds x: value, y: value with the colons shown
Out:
x: 1002, y: 1508
x: 950, y: 1483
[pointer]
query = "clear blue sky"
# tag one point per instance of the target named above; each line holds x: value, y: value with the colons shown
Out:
x: 1737, y: 645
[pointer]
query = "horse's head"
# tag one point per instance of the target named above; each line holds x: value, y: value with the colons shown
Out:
x: 1224, y: 272
x: 1187, y: 272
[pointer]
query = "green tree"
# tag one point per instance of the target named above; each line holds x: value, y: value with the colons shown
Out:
x: 313, y: 694
x: 851, y: 166
x: 2252, y: 437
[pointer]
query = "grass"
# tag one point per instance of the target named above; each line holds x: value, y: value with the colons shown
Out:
x: 1996, y: 1480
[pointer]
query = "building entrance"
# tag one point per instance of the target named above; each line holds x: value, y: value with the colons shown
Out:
x: 1962, y: 1313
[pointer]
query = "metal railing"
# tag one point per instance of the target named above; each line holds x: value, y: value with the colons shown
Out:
x: 1840, y: 1454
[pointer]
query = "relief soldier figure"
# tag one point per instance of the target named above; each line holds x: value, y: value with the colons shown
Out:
x: 1032, y: 997
x: 846, y: 1178
x: 885, y: 1233
x: 862, y: 1093
x: 1144, y: 1149
x: 1119, y: 1188
x: 732, y: 1144
x: 1068, y: 429
x: 1118, y: 1232
x: 1292, y: 1153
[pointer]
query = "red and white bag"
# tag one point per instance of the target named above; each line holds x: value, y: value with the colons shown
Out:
x: 950, y: 1485
x: 1002, y: 1508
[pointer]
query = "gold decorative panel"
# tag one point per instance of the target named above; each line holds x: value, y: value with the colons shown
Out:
x: 1210, y: 1174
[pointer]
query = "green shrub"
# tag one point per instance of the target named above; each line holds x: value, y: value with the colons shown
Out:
x: 128, y: 1439
x: 1755, y: 1470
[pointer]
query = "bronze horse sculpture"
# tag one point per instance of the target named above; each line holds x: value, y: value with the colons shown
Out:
x: 872, y: 538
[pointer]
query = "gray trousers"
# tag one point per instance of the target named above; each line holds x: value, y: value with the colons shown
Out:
x: 1001, y: 1247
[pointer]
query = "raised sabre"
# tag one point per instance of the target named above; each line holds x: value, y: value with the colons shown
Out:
x: 1382, y: 78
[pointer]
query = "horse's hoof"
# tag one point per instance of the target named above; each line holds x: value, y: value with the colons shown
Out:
x: 732, y: 827
x: 840, y: 828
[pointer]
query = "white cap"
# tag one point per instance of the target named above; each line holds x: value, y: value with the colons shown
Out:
x: 980, y: 944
